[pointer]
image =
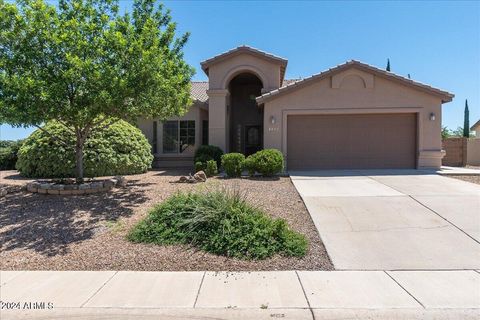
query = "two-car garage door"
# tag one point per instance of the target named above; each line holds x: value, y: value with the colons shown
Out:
x: 353, y: 141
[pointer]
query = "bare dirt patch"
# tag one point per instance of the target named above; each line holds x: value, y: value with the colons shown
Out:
x: 54, y: 232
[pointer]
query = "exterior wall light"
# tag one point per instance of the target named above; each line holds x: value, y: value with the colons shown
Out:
x: 272, y: 120
x: 432, y: 116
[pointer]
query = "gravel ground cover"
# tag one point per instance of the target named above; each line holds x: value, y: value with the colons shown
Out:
x: 47, y: 232
x: 468, y: 178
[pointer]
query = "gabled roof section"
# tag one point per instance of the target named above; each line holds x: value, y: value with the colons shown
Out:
x: 475, y: 126
x: 444, y: 95
x: 246, y: 49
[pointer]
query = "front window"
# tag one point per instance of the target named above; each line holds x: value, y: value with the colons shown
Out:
x: 187, y: 135
x: 178, y: 136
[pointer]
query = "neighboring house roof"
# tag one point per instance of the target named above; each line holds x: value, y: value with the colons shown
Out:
x: 246, y: 49
x: 446, y: 96
x: 287, y: 82
x: 476, y: 125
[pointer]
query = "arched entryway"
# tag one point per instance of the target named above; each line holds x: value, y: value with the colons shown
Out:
x: 245, y: 116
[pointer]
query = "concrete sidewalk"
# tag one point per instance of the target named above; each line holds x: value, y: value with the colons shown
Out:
x: 240, y: 295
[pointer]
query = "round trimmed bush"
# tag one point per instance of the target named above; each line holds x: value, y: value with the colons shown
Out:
x: 211, y: 168
x: 232, y: 163
x: 120, y: 149
x: 249, y: 165
x: 268, y: 162
x: 8, y: 154
x: 208, y: 152
x: 200, y: 166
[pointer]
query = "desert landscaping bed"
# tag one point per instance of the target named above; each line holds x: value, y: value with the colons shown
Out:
x: 468, y: 178
x: 87, y: 232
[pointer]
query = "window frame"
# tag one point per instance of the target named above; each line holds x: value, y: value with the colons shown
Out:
x: 185, y: 131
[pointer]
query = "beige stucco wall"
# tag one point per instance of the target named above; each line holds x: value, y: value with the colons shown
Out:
x: 473, y: 151
x: 219, y: 75
x: 355, y: 91
x: 195, y: 113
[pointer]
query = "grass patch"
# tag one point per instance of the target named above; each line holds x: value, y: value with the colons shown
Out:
x: 221, y: 222
x: 115, y: 226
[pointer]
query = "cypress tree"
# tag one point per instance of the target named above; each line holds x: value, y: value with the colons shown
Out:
x: 466, y: 121
x: 388, y: 65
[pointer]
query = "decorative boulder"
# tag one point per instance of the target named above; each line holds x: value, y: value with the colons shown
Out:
x: 121, y: 181
x: 200, y: 176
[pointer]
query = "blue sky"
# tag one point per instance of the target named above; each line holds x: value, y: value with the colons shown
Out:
x: 438, y: 43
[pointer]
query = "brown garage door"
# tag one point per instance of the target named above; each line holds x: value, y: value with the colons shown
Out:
x: 367, y: 141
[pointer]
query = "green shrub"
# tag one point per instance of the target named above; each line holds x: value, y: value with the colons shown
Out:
x: 8, y: 154
x: 249, y: 165
x: 120, y: 149
x: 232, y: 163
x: 208, y: 152
x: 221, y: 222
x: 211, y: 168
x: 268, y: 162
x: 200, y: 166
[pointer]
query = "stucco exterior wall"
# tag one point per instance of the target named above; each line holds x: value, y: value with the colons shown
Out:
x: 355, y: 91
x: 473, y: 152
x: 195, y: 113
x: 221, y: 73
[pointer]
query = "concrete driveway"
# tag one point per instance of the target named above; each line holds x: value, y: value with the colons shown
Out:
x: 394, y: 219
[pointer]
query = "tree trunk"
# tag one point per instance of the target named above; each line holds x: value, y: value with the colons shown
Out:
x: 79, y: 160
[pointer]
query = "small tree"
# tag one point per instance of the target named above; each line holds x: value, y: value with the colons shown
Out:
x: 458, y: 132
x: 388, y: 65
x: 446, y: 133
x: 82, y: 64
x: 466, y: 121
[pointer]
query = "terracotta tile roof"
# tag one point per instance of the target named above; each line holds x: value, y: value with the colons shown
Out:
x: 198, y: 91
x: 446, y: 96
x: 242, y: 49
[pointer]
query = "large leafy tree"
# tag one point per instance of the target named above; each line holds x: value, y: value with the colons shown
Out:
x: 83, y: 63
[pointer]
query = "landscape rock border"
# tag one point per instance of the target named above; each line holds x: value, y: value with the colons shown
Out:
x: 6, y: 189
x: 89, y: 187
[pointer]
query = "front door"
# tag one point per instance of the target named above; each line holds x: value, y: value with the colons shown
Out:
x: 253, y: 139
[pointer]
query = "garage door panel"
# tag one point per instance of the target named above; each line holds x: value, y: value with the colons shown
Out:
x: 351, y: 141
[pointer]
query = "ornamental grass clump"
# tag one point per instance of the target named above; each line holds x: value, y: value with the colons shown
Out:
x: 221, y: 222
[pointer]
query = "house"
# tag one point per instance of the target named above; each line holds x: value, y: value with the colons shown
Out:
x: 350, y: 116
x: 476, y: 129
